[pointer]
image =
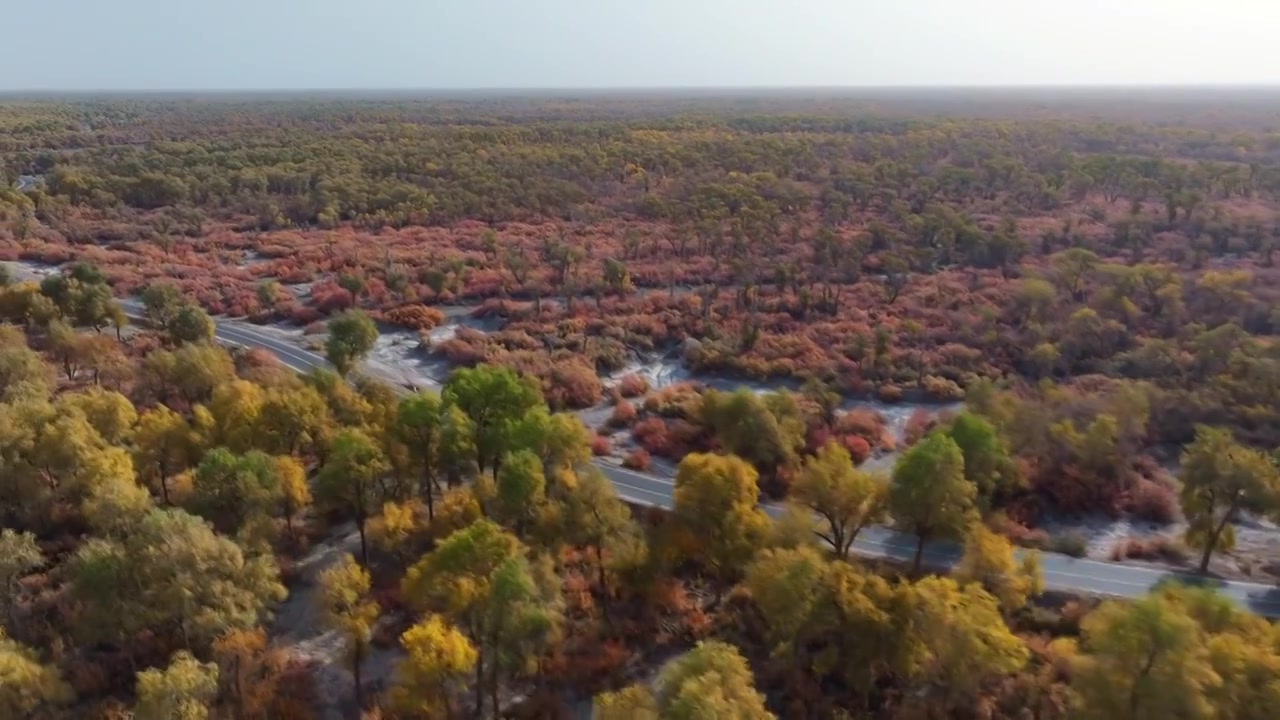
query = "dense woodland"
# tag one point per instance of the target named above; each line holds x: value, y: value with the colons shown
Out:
x: 1094, y: 279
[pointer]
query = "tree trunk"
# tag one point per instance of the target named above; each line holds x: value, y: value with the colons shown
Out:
x: 355, y: 673
x: 429, y: 490
x: 493, y: 689
x: 915, y: 563
x: 164, y: 486
x: 604, y: 584
x: 364, y: 547
x: 479, y: 685
x: 1211, y: 542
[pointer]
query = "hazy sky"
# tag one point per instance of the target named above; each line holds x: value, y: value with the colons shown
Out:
x: 234, y: 44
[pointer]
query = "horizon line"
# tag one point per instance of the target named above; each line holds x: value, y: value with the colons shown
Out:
x: 1275, y: 85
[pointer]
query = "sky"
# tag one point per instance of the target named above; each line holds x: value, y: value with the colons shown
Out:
x: 452, y: 44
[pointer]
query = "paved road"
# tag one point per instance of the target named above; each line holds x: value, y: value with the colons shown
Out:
x: 1061, y: 572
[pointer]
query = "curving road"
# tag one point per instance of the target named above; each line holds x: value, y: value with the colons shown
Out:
x: 1061, y: 572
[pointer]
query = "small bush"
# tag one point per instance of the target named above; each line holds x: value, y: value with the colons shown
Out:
x: 1153, y: 502
x: 889, y: 392
x: 637, y: 459
x: 601, y: 446
x: 941, y: 388
x: 1018, y: 533
x: 651, y: 433
x: 1157, y: 548
x: 415, y: 317
x: 633, y: 386
x: 1072, y: 543
x: 624, y: 413
x: 859, y: 449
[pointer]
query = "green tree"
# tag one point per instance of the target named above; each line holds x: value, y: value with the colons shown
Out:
x: 929, y: 495
x: 1144, y: 660
x: 433, y: 673
x: 346, y: 607
x: 594, y: 517
x: 479, y: 579
x: 847, y: 499
x: 418, y: 425
x: 349, y: 479
x: 787, y: 585
x: 182, y: 691
x: 766, y: 431
x: 1219, y: 479
x: 518, y: 491
x: 292, y: 420
x: 115, y: 505
x: 19, y: 555
x: 987, y: 463
x: 173, y: 575
x: 163, y: 446
x: 717, y: 514
x: 231, y: 491
x: 351, y: 337
x: 457, y: 444
x: 710, y: 681
x: 559, y: 440
x: 495, y: 399
x: 811, y: 605
x: 160, y: 304
x: 191, y: 324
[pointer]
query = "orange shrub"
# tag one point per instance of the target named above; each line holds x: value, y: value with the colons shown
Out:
x: 918, y: 425
x: 888, y: 392
x: 637, y: 459
x: 632, y: 386
x: 624, y: 413
x: 859, y: 449
x: 415, y: 317
x: 601, y: 446
x: 1153, y: 501
x: 651, y: 433
x: 1157, y: 548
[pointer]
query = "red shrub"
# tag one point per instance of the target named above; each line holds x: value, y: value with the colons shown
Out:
x: 460, y: 352
x: 1152, y: 501
x: 331, y: 299
x: 651, y: 433
x: 889, y: 392
x: 304, y: 315
x: 624, y: 413
x: 601, y: 446
x: 918, y: 425
x: 571, y: 384
x: 415, y: 317
x: 633, y: 386
x: 684, y: 437
x: 1156, y: 548
x: 817, y: 437
x: 858, y: 448
x: 637, y: 459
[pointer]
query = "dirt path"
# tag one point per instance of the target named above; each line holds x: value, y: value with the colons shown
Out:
x: 298, y: 630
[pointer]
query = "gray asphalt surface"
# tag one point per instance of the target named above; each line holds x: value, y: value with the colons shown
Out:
x: 1061, y: 572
